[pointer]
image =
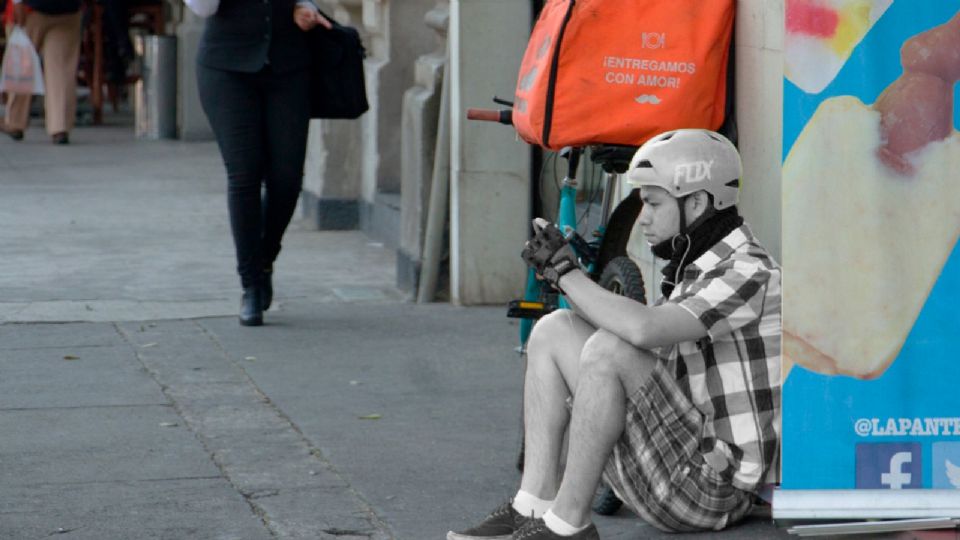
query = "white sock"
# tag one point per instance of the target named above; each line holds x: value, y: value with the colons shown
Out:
x: 559, y: 526
x: 527, y: 504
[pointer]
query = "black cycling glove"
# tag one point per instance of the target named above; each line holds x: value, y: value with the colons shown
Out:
x: 549, y: 253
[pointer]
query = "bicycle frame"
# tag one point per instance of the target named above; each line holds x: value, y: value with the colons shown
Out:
x: 567, y: 223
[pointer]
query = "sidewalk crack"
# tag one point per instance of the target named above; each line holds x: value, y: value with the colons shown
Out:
x: 379, y: 529
x: 315, y: 451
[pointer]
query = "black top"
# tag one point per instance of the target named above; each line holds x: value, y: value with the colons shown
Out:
x: 244, y: 35
x: 54, y: 7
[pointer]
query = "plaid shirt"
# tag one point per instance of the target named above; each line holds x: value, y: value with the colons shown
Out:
x: 733, y: 375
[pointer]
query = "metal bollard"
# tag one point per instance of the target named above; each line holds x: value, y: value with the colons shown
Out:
x: 155, y: 99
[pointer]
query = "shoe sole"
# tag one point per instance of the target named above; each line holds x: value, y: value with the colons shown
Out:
x: 252, y: 322
x: 457, y: 536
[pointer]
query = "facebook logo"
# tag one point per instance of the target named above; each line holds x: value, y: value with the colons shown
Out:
x: 889, y: 466
x: 946, y: 465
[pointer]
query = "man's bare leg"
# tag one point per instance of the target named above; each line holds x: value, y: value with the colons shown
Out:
x: 610, y: 370
x: 553, y: 356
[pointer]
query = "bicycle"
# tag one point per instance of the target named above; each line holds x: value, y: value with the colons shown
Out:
x: 604, y: 259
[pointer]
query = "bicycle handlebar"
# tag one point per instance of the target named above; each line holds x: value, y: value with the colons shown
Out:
x: 503, y: 116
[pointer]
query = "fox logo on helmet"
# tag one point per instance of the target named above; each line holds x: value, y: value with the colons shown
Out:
x: 693, y: 172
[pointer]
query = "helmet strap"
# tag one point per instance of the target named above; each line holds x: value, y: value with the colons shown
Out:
x: 682, y: 205
x: 686, y: 229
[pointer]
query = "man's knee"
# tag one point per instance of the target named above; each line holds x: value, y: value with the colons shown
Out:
x: 549, y: 329
x: 606, y: 354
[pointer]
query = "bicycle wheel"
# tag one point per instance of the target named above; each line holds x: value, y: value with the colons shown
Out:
x: 606, y: 502
x: 619, y: 227
x: 622, y: 276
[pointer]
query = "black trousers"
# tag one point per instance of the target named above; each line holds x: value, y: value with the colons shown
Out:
x: 260, y: 121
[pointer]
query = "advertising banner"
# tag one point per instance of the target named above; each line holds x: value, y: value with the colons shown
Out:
x: 871, y: 218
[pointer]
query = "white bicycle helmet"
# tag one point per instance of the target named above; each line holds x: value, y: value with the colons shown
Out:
x: 684, y: 161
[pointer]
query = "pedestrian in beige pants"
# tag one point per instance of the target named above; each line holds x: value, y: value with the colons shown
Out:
x: 57, y: 39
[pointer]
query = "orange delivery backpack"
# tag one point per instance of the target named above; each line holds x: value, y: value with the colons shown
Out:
x: 620, y: 71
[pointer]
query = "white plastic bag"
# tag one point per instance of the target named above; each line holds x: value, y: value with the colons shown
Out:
x: 203, y: 8
x: 21, y: 72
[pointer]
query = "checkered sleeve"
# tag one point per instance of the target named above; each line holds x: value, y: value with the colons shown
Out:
x: 727, y: 297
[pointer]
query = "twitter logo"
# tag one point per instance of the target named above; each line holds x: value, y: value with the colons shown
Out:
x: 946, y: 465
x: 953, y: 474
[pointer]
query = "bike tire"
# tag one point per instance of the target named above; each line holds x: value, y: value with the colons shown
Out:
x: 618, y: 230
x: 606, y: 502
x: 622, y: 276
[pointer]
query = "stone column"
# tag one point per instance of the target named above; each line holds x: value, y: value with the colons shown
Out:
x: 192, y: 124
x: 331, y: 171
x: 421, y: 105
x: 759, y: 35
x: 489, y: 191
x: 396, y: 39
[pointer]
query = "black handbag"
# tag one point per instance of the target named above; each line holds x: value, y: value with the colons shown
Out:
x: 337, y: 86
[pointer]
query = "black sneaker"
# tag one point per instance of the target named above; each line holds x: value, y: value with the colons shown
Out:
x: 536, y: 529
x: 501, y: 524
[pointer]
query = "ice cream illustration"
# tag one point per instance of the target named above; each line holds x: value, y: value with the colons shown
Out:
x: 821, y: 34
x: 871, y: 213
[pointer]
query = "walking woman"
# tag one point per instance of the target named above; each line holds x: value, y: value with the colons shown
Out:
x: 252, y: 73
x: 54, y: 27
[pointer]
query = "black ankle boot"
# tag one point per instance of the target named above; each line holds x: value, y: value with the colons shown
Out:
x: 266, y: 288
x: 251, y: 307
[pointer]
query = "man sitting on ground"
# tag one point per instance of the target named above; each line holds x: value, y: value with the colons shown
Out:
x: 677, y: 406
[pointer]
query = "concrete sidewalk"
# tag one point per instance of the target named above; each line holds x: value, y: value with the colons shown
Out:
x: 132, y: 404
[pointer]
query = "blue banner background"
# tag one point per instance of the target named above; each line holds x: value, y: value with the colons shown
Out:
x: 820, y: 412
